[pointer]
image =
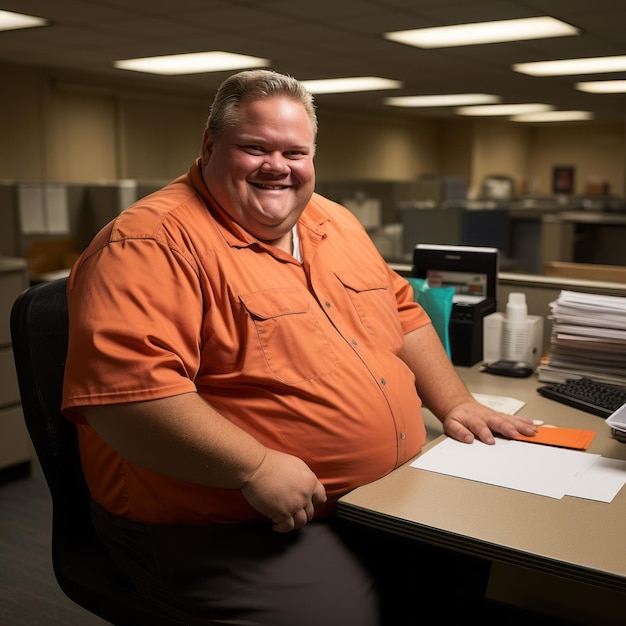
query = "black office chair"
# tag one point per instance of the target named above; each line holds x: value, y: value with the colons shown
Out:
x: 83, y: 568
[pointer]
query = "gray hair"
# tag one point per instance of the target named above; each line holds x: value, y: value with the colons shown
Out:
x: 254, y: 85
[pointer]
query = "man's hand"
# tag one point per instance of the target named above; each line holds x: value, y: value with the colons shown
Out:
x: 446, y: 395
x: 284, y: 489
x: 471, y: 420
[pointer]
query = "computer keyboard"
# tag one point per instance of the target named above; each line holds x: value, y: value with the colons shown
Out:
x: 587, y: 395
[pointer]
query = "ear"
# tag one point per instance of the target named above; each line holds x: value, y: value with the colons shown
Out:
x: 207, y: 145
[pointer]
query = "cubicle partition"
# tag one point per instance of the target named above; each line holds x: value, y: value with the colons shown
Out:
x: 48, y: 223
x: 485, y: 224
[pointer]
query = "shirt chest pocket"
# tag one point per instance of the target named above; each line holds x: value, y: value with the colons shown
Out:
x: 376, y: 307
x: 289, y: 334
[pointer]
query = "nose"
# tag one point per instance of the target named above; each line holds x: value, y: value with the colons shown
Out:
x: 275, y: 163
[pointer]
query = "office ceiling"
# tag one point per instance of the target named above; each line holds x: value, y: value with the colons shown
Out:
x: 322, y: 39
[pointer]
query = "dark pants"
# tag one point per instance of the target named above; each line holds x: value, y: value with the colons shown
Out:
x: 330, y: 573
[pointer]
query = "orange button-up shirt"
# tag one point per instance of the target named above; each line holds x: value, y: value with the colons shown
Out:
x: 173, y: 297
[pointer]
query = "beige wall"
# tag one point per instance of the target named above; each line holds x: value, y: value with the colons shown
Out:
x: 72, y: 130
x: 160, y: 139
x: 376, y: 148
x: 597, y: 151
x: 21, y: 125
x: 498, y: 148
x: 81, y: 138
x: 456, y: 138
x: 68, y: 131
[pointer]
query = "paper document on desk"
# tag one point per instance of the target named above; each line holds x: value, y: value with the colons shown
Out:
x: 543, y: 470
x: 602, y: 481
x: 504, y: 404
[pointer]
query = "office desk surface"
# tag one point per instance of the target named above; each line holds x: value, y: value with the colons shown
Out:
x: 579, y: 539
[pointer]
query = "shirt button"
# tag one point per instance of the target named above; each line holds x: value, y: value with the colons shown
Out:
x: 383, y: 381
x: 354, y: 343
x: 402, y: 435
x: 327, y: 304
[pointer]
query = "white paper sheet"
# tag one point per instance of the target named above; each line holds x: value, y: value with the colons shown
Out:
x: 56, y: 209
x: 504, y: 404
x: 543, y: 470
x: 31, y: 208
x: 602, y: 481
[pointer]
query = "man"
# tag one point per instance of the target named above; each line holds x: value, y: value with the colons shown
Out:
x: 240, y: 356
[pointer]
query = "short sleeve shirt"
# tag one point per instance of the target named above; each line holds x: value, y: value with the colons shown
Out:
x: 174, y: 297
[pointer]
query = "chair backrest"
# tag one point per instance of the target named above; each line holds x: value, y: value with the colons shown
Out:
x: 83, y: 568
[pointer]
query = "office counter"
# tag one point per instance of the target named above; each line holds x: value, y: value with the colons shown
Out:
x: 571, y: 538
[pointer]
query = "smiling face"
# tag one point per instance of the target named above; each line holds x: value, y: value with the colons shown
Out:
x: 260, y: 170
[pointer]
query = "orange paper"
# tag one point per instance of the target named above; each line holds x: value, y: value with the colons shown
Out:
x: 562, y: 437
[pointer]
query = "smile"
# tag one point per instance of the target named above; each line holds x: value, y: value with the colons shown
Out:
x: 270, y: 187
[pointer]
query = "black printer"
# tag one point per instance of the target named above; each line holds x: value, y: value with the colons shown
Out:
x: 473, y: 272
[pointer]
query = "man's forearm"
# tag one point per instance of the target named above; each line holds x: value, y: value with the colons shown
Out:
x: 182, y: 437
x: 438, y: 384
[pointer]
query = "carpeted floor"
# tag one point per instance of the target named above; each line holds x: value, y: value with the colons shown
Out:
x: 29, y: 595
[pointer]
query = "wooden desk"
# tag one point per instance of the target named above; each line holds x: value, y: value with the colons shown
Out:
x: 580, y: 540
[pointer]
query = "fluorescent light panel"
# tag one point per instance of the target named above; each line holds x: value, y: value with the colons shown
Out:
x: 554, y: 116
x: 568, y: 67
x: 504, y: 109
x: 603, y: 86
x: 442, y: 100
x: 191, y: 63
x: 15, y: 21
x: 483, y: 32
x: 356, y: 83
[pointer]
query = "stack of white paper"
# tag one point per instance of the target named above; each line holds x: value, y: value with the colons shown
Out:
x: 588, y: 339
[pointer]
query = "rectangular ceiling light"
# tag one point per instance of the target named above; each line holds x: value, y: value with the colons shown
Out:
x: 191, y: 63
x: 15, y: 21
x: 443, y: 100
x: 356, y: 83
x: 569, y: 67
x: 553, y: 116
x: 603, y: 86
x: 483, y: 32
x: 504, y: 109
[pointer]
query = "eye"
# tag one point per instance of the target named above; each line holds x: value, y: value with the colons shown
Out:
x: 295, y: 154
x: 254, y: 150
